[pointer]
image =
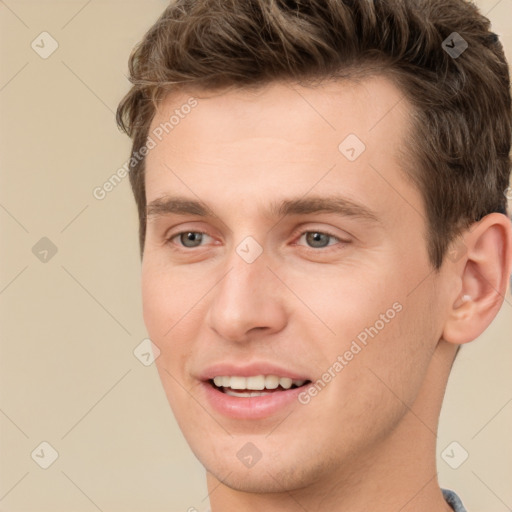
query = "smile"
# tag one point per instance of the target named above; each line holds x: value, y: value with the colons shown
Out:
x: 254, y: 385
x: 252, y: 397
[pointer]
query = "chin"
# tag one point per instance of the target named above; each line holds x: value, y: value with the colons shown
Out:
x: 281, y: 468
x: 262, y: 478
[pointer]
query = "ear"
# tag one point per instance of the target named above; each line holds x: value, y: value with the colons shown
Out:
x: 483, y: 274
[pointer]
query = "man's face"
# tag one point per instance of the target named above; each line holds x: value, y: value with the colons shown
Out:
x: 288, y: 292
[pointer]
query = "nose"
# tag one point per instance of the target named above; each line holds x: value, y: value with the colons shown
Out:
x: 247, y: 302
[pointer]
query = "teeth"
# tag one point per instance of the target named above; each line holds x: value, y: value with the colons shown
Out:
x: 245, y: 394
x: 219, y: 381
x: 285, y: 382
x: 238, y: 383
x: 271, y: 382
x: 256, y: 383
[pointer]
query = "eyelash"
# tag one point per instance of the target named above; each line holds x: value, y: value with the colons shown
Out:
x: 299, y: 233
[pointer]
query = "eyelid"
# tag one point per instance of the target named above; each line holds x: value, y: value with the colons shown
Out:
x: 186, y: 227
x: 301, y: 230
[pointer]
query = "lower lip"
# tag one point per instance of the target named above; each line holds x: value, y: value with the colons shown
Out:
x: 252, y: 407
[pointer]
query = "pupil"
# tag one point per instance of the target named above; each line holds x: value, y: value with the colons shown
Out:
x: 191, y: 237
x: 317, y: 239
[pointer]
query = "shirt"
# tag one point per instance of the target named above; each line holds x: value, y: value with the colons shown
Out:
x: 451, y: 498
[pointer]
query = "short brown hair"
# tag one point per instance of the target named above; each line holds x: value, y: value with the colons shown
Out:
x: 461, y: 104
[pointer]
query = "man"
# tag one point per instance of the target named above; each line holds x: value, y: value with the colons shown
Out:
x: 321, y: 193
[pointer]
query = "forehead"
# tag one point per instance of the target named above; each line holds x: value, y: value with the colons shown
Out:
x: 344, y: 106
x: 279, y: 138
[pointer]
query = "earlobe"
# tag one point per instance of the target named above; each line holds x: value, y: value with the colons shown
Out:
x: 484, y: 273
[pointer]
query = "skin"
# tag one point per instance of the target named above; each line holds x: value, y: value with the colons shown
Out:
x: 367, y: 440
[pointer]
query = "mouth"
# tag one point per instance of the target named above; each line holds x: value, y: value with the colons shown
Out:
x: 255, y: 386
x: 257, y: 391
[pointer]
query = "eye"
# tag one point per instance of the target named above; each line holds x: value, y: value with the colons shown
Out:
x: 189, y: 239
x: 318, y: 239
x: 313, y: 239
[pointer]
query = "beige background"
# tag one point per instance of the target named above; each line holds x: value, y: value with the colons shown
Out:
x: 68, y: 374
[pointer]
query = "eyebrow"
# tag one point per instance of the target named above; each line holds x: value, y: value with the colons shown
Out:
x: 339, y: 205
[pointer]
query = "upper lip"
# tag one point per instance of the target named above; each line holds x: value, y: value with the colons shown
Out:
x: 248, y: 370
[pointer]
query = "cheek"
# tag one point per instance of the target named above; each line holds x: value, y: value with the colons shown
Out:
x: 165, y: 305
x: 157, y: 304
x: 173, y: 315
x: 167, y: 296
x: 380, y: 330
x: 350, y: 301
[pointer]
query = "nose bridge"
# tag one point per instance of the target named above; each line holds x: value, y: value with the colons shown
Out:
x: 246, y: 278
x: 245, y: 297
